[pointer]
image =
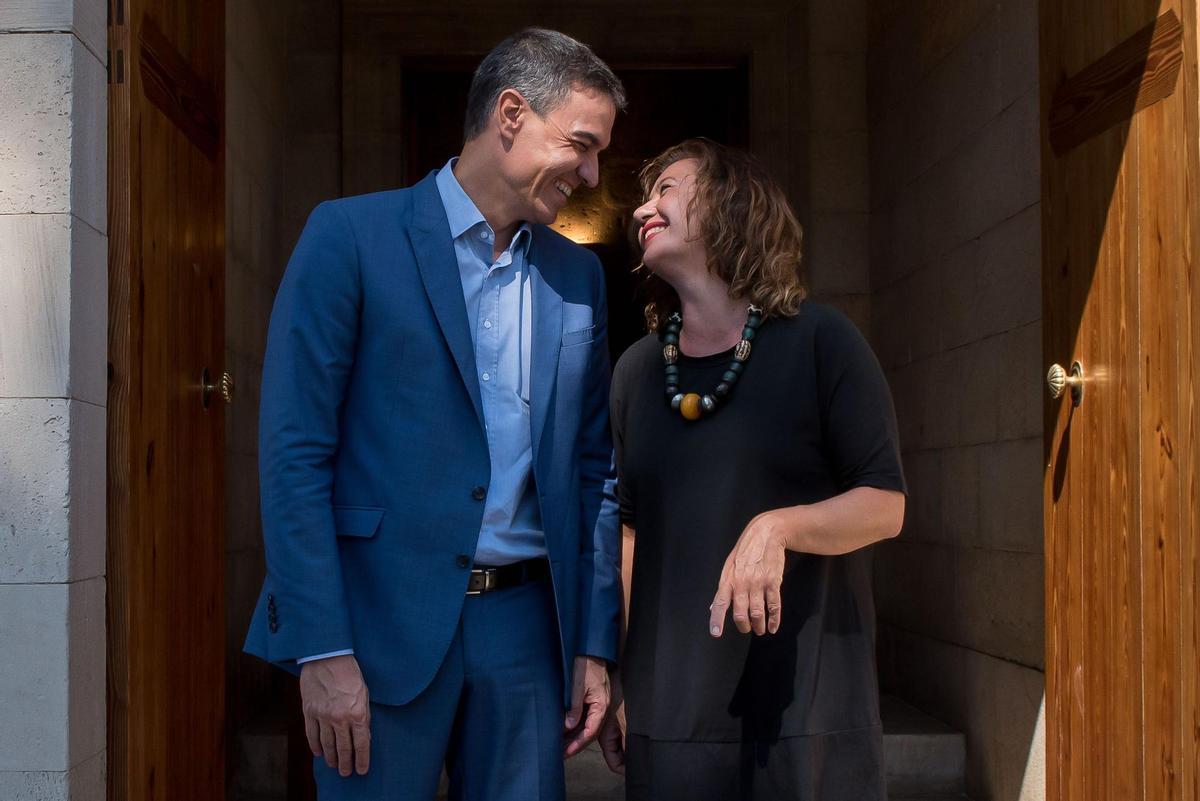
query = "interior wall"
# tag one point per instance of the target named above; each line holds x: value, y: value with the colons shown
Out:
x: 955, y: 246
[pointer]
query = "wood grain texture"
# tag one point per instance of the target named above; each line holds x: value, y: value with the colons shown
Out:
x: 1119, y: 220
x: 166, y: 487
x: 1137, y: 73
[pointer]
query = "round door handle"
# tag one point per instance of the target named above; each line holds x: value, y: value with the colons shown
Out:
x: 1058, y: 379
x: 207, y: 387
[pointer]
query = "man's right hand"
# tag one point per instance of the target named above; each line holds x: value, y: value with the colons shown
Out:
x: 337, y: 713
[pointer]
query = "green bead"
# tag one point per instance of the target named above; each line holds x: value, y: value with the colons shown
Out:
x: 730, y: 377
x: 748, y: 333
x: 670, y: 338
x: 737, y: 367
x: 722, y: 389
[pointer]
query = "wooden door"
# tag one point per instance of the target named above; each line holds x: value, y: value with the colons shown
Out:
x: 1120, y: 226
x: 165, y: 446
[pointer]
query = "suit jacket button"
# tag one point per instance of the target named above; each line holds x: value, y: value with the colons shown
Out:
x: 274, y: 627
x: 462, y: 560
x: 479, y: 493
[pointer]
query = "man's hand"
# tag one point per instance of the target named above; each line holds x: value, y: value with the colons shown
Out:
x: 751, y: 579
x: 589, y: 687
x: 612, y: 733
x: 337, y: 713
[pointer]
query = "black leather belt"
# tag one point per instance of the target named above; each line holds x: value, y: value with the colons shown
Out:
x: 485, y: 579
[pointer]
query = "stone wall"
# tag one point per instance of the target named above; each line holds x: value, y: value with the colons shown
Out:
x: 955, y: 254
x: 53, y: 387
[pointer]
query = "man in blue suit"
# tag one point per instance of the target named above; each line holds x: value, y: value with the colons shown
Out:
x: 435, y: 458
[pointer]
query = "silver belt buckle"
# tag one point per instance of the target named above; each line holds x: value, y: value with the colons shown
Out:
x: 488, y: 575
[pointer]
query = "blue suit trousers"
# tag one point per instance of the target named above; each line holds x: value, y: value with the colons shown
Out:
x: 493, y: 714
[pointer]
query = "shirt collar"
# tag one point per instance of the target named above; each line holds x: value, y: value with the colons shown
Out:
x: 463, y: 214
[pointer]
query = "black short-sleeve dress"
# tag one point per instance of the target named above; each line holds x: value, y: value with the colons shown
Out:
x: 794, y: 715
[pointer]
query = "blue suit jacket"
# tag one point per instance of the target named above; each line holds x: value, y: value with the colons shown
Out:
x: 371, y: 443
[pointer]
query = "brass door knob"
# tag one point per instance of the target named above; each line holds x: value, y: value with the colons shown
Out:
x: 207, y: 387
x: 1058, y: 379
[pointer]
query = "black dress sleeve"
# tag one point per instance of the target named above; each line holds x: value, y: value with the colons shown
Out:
x: 618, y: 403
x: 859, y: 420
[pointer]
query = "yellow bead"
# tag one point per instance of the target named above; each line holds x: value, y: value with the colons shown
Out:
x: 690, y: 407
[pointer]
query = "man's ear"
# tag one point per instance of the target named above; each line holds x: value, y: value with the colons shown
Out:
x: 511, y: 111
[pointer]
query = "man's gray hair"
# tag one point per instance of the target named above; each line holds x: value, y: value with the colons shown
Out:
x: 544, y: 66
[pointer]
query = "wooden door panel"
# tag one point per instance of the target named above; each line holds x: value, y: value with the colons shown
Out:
x: 1119, y: 217
x: 166, y: 488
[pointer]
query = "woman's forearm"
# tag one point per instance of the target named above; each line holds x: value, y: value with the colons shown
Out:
x: 841, y: 524
x: 627, y: 538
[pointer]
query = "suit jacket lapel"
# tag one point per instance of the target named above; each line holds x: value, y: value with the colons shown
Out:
x: 438, y: 265
x: 547, y: 340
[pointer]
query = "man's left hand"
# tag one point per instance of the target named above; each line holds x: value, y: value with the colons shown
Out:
x: 589, y: 688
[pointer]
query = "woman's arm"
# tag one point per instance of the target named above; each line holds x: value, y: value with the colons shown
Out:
x: 612, y: 735
x: 627, y: 537
x: 753, y: 573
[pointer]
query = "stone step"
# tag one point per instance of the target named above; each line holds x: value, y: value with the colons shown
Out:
x: 925, y: 761
x: 925, y: 758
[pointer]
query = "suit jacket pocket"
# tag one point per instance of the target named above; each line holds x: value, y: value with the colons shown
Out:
x: 357, y: 521
x: 579, y: 337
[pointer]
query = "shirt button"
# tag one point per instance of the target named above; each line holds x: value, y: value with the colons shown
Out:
x: 487, y: 323
x: 462, y: 560
x: 487, y: 377
x: 484, y: 235
x: 479, y: 493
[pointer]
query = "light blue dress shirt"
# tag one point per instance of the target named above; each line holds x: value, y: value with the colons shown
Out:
x: 500, y: 311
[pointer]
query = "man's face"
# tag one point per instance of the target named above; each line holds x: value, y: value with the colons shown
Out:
x: 554, y: 155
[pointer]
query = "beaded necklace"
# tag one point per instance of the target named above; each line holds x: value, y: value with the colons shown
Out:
x: 693, y: 406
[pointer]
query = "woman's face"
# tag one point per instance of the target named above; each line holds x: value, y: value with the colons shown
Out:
x: 669, y: 235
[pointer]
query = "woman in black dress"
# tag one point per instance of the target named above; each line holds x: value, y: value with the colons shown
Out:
x: 757, y: 458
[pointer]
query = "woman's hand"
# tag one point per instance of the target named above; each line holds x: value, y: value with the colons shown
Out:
x: 612, y: 733
x: 751, y: 579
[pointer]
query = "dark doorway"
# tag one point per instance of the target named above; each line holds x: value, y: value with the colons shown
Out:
x: 667, y: 104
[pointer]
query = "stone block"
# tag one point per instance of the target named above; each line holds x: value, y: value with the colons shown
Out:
x: 35, y: 130
x: 1017, y: 45
x: 915, y: 587
x: 839, y: 172
x: 34, y: 677
x: 1005, y: 728
x: 88, y: 488
x: 89, y: 138
x: 1010, y: 496
x: 52, y: 496
x: 316, y: 111
x: 35, y: 492
x: 312, y: 174
x: 86, y: 670
x: 837, y: 27
x: 837, y: 91
x: 922, y: 518
x: 53, y: 332
x: 960, y: 487
x: 84, y: 782
x: 993, y: 284
x: 1000, y: 608
x: 89, y: 314
x: 928, y: 673
x: 837, y: 259
x: 84, y: 18
x: 35, y: 305
x: 52, y: 140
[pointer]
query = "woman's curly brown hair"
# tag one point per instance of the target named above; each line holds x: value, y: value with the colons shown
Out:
x: 752, y: 237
